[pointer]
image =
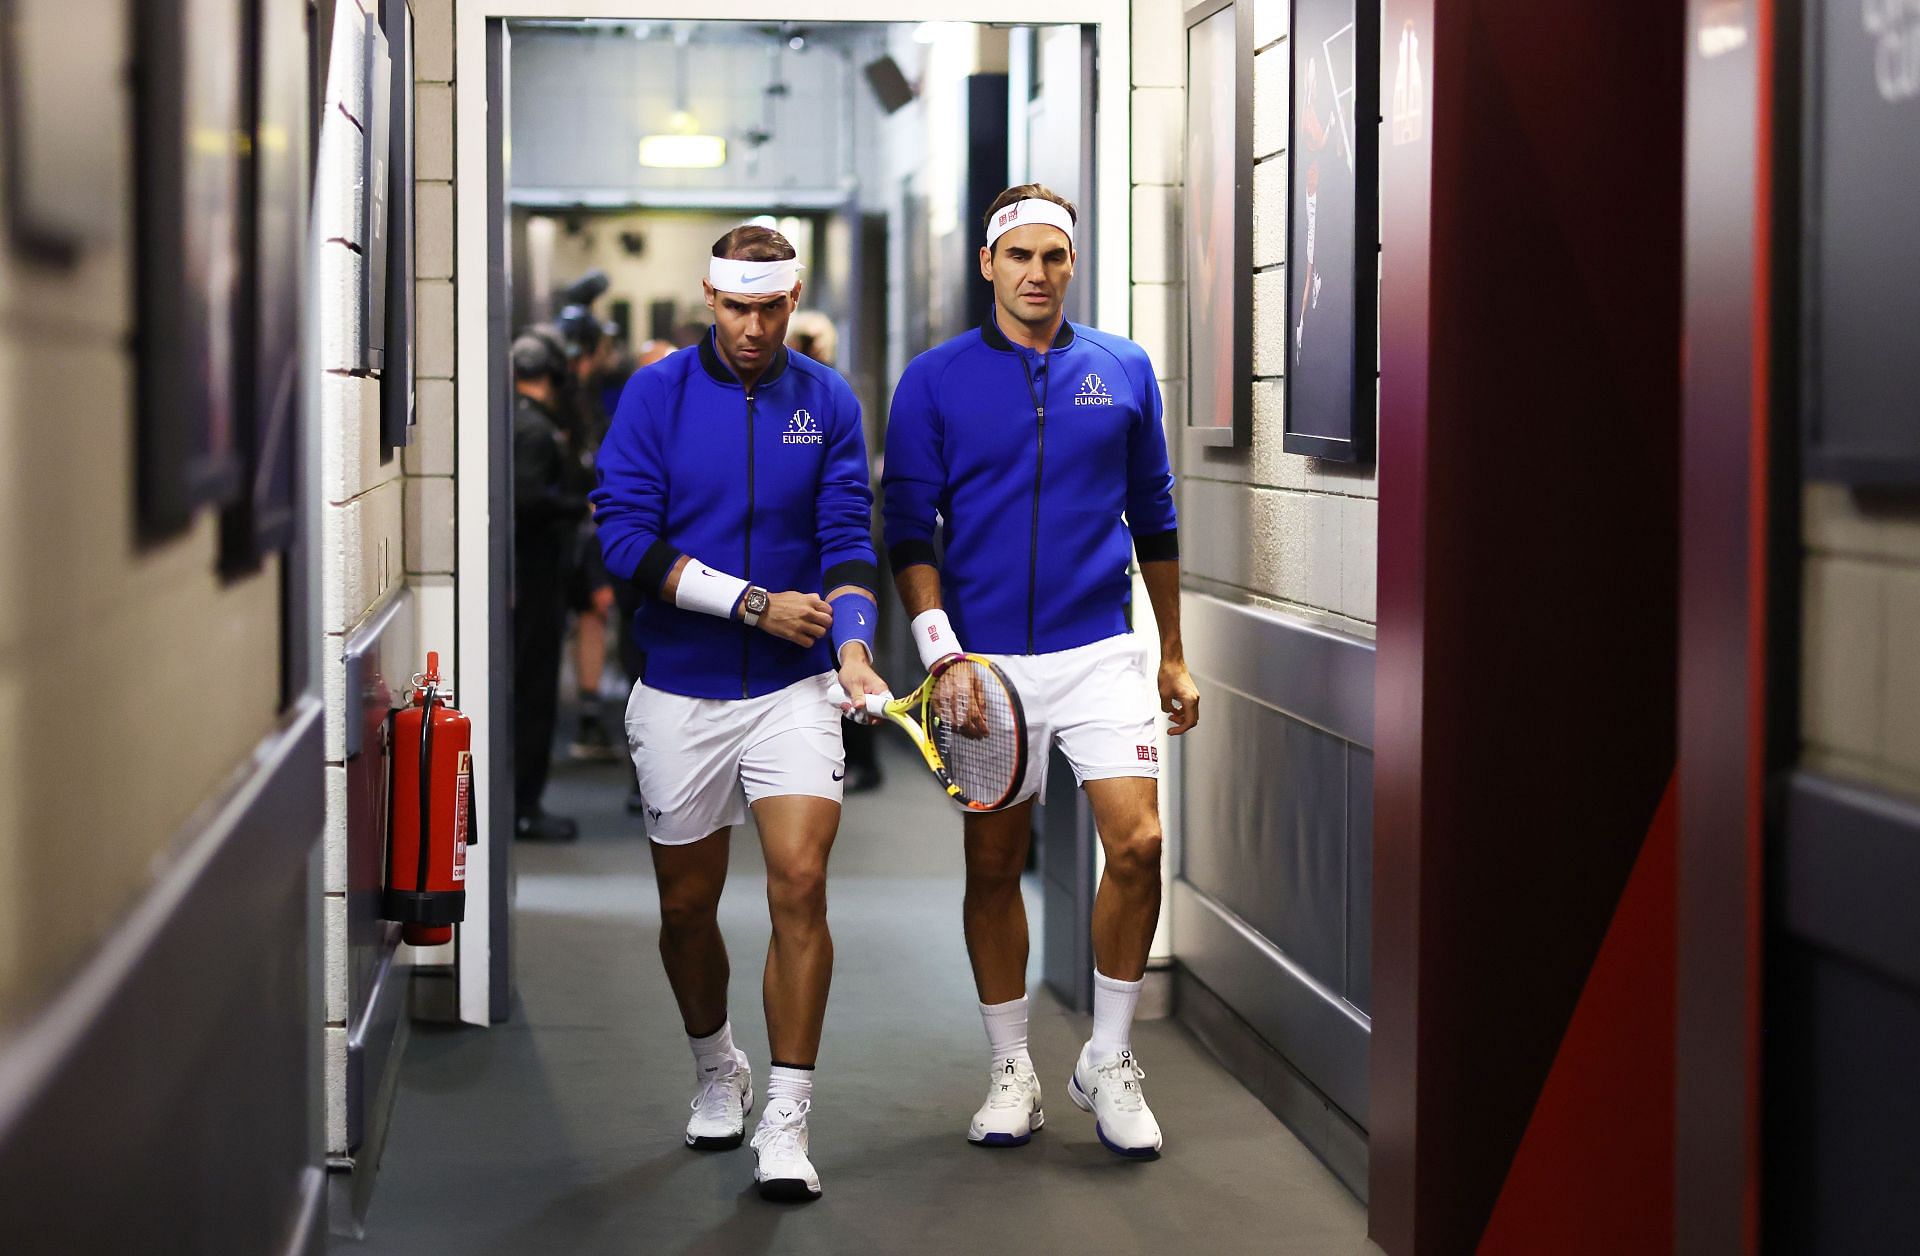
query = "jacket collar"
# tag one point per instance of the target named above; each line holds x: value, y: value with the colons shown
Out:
x: 997, y: 339
x: 718, y: 370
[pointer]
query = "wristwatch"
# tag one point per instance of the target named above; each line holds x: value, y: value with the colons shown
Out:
x: 753, y: 605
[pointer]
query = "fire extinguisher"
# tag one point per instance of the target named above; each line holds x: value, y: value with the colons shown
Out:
x: 430, y: 820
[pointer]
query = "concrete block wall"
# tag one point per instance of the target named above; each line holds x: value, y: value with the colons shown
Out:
x: 1258, y: 524
x: 428, y: 462
x: 1860, y: 674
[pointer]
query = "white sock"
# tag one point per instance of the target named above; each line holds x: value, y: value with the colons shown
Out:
x: 715, y: 1051
x: 1113, y: 1004
x: 787, y: 1087
x: 1007, y: 1030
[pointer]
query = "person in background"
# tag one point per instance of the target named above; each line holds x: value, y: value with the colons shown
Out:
x: 590, y: 592
x: 812, y: 333
x: 548, y: 505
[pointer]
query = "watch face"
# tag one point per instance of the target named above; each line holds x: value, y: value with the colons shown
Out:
x: 757, y: 601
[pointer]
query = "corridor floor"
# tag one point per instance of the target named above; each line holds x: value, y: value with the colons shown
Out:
x: 560, y: 1131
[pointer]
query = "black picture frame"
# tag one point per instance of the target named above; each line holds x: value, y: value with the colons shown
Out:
x: 1217, y: 222
x: 1860, y: 272
x: 275, y: 229
x: 1331, y: 380
x: 397, y: 365
x: 189, y: 123
x: 377, y: 228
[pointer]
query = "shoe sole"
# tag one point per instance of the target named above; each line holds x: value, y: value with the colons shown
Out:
x: 1085, y: 1104
x: 787, y: 1191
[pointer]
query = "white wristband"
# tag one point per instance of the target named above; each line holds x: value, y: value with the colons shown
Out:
x: 708, y: 591
x: 933, y: 637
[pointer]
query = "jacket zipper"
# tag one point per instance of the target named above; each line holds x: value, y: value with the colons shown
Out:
x: 746, y: 638
x: 1039, y: 465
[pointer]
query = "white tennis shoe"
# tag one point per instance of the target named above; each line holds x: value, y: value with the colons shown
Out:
x: 1012, y: 1110
x: 780, y: 1162
x: 721, y: 1100
x: 1110, y: 1089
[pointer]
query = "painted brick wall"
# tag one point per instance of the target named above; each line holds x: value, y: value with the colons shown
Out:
x: 134, y: 680
x: 1258, y: 525
x: 1860, y: 713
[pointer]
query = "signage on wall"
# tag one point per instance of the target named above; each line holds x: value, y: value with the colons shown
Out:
x: 1218, y: 215
x: 1332, y: 223
x: 1861, y: 292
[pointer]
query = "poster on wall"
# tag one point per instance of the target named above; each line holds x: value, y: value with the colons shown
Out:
x: 190, y: 122
x: 1218, y: 221
x: 1333, y: 231
x: 396, y: 374
x: 263, y: 520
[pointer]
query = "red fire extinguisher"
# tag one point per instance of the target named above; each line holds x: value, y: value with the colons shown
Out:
x: 429, y: 812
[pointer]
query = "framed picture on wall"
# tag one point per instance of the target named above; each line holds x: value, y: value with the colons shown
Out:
x: 190, y: 124
x: 275, y: 182
x: 1333, y: 216
x: 1218, y: 222
x: 396, y: 371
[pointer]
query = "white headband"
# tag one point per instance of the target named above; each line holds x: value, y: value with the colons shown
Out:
x: 1025, y: 213
x: 728, y: 274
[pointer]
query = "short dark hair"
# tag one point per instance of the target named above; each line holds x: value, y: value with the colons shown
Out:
x: 754, y: 244
x: 1028, y: 192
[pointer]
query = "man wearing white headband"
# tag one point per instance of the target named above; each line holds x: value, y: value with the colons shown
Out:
x: 733, y: 492
x: 1034, y: 446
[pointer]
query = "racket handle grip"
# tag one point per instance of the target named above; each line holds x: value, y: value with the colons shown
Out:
x: 876, y: 705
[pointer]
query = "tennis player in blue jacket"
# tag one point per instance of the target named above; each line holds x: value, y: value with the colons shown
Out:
x: 733, y: 492
x: 1034, y: 448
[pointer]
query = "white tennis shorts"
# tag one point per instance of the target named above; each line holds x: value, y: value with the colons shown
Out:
x: 703, y: 761
x: 1097, y: 701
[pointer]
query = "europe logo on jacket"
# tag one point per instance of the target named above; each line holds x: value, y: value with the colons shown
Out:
x: 1093, y: 392
x: 801, y: 430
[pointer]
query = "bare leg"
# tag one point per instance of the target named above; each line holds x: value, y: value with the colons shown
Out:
x: 590, y: 657
x: 1126, y: 810
x: 796, y: 832
x: 994, y: 914
x: 690, y: 878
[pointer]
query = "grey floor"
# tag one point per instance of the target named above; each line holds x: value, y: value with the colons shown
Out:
x: 560, y: 1131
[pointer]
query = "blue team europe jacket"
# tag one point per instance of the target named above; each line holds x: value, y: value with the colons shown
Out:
x: 770, y: 486
x: 1038, y: 469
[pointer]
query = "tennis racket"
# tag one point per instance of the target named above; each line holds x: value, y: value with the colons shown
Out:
x: 968, y: 724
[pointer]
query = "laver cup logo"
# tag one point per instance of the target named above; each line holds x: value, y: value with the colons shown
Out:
x: 1092, y: 392
x: 801, y: 430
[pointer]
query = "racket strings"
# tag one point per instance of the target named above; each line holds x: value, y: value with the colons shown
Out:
x: 974, y: 724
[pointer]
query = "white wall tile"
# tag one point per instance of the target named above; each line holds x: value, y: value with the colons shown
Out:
x: 336, y: 1057
x: 1270, y: 212
x: 1901, y: 736
x: 1359, y: 557
x: 333, y: 910
x: 430, y: 525
x: 434, y: 319
x: 1159, y: 134
x: 1843, y: 681
x: 434, y: 615
x: 433, y: 133
x: 341, y: 532
x: 1157, y: 310
x: 334, y: 843
x: 1159, y: 43
x: 433, y: 230
x: 1272, y: 71
x: 1835, y: 522
x: 1270, y: 328
x: 1270, y: 20
x: 432, y: 41
x: 1156, y: 234
x: 431, y: 452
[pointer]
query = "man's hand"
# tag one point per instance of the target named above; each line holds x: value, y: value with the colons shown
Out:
x: 857, y: 680
x: 1178, y: 697
x: 801, y: 618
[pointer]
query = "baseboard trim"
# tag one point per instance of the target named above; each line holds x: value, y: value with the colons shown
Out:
x: 1314, y: 1119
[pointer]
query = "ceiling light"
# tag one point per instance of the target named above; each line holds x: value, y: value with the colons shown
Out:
x: 683, y: 152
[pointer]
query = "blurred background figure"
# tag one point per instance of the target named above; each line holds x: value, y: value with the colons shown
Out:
x: 812, y: 333
x: 584, y: 420
x: 548, y: 508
